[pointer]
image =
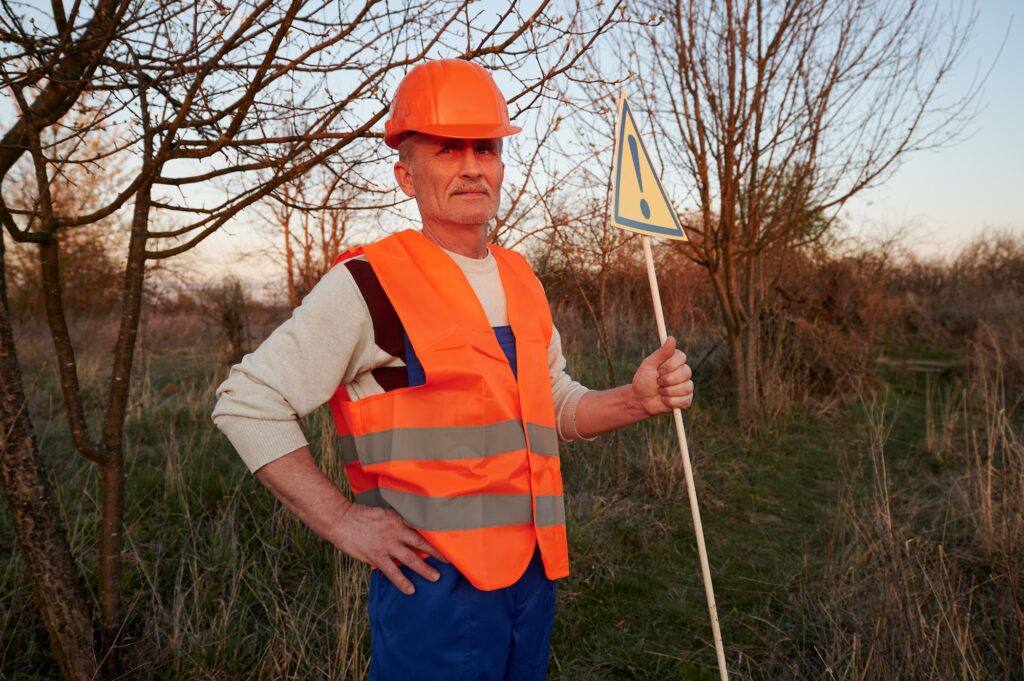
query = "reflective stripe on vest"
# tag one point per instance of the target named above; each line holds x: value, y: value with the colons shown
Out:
x: 447, y: 443
x: 470, y: 457
x: 443, y: 514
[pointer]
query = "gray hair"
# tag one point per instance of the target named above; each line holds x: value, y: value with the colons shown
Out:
x: 404, y: 148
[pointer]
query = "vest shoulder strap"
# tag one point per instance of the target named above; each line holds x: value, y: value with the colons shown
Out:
x: 388, y: 331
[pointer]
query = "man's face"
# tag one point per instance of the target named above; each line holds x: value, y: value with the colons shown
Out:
x: 453, y: 180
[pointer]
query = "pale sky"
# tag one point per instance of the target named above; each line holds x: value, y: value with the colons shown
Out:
x: 944, y: 197
x: 949, y: 195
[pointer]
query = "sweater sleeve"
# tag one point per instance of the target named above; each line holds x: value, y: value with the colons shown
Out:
x: 565, y: 391
x: 327, y: 341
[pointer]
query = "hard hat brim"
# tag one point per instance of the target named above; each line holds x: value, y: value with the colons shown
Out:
x: 455, y: 130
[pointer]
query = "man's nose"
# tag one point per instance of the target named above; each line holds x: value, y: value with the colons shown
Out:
x: 470, y: 164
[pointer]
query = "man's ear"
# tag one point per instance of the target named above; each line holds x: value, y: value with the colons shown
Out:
x: 403, y: 175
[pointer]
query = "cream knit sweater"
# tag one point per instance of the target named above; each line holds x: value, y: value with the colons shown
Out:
x: 327, y: 342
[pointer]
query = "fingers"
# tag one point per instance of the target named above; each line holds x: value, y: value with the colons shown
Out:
x: 404, y: 549
x: 418, y: 542
x: 664, y: 380
x: 381, y: 537
x: 417, y: 564
x: 667, y: 357
x: 391, y: 571
x: 675, y: 384
x: 677, y: 390
x: 683, y: 402
x: 668, y: 347
x: 677, y: 395
x: 409, y: 558
x: 679, y: 372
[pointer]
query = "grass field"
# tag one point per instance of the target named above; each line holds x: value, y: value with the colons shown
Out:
x: 849, y: 545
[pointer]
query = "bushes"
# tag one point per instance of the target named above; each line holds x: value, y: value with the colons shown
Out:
x: 923, y: 578
x: 919, y: 579
x: 826, y: 314
x: 945, y: 301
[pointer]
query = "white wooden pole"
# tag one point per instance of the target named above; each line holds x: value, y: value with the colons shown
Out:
x: 691, y: 490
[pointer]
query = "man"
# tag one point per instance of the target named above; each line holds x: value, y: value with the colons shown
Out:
x: 448, y: 387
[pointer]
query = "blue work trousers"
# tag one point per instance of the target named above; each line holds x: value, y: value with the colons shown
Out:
x: 451, y: 631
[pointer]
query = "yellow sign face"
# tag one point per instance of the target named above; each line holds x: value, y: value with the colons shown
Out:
x: 639, y: 202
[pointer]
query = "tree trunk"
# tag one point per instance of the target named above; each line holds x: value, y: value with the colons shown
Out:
x: 749, y: 386
x: 111, y: 545
x: 742, y: 332
x: 42, y: 539
x: 112, y: 479
x: 745, y: 399
x: 744, y: 357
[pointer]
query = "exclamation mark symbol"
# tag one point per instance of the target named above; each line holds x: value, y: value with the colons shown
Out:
x: 644, y: 208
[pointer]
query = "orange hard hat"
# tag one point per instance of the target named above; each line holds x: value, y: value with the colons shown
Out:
x: 448, y: 98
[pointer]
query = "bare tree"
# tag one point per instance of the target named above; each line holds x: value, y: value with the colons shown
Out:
x: 90, y: 254
x: 311, y: 227
x: 775, y: 114
x: 586, y: 246
x: 219, y: 106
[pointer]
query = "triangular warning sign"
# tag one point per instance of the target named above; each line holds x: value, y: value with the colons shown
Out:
x: 639, y: 203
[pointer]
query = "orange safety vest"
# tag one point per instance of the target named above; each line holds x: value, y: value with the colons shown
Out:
x: 469, y: 458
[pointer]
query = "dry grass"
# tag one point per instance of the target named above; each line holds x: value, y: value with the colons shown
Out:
x: 238, y: 580
x: 922, y: 572
x: 992, y: 488
x: 923, y: 577
x: 898, y: 605
x: 221, y: 582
